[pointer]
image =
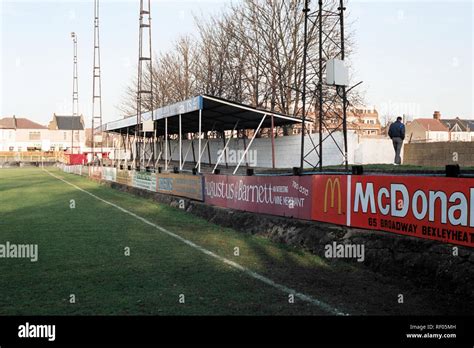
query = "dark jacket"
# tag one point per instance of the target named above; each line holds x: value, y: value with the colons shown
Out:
x: 397, y: 130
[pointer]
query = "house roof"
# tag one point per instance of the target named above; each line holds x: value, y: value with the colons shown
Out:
x: 470, y: 124
x: 430, y: 124
x: 8, y: 123
x: 19, y: 123
x: 464, y: 125
x: 69, y: 122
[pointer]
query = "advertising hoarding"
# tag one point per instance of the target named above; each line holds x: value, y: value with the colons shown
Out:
x: 434, y: 208
x: 276, y: 195
x: 189, y: 186
x: 124, y: 177
x: 329, y: 197
x: 109, y: 173
x: 95, y: 173
x: 144, y: 180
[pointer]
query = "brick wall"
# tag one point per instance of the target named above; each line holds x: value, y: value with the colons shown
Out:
x: 439, y: 154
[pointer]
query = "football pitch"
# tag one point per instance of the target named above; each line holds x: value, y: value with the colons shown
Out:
x: 105, y: 252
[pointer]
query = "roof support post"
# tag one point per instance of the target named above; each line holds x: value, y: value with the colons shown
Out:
x: 192, y: 146
x: 245, y: 147
x: 200, y: 136
x: 273, y: 143
x: 202, y: 152
x: 127, y: 149
x: 155, y: 144
x: 209, y: 148
x: 133, y: 149
x: 250, y: 144
x: 144, y: 143
x: 206, y: 144
x: 225, y: 148
x: 170, y: 150
x: 225, y: 154
x: 158, y: 158
x: 180, y: 144
x: 151, y: 147
x: 187, y: 153
x: 166, y: 144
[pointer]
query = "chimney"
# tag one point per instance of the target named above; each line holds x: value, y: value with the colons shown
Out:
x: 437, y: 115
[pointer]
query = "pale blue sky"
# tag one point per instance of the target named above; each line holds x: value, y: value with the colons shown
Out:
x: 413, y: 56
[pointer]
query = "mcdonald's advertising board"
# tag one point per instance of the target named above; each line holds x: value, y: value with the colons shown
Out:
x: 276, y: 195
x: 330, y: 198
x: 434, y: 208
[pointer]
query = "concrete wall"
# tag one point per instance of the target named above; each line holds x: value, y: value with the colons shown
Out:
x: 374, y: 151
x: 287, y: 150
x: 439, y: 154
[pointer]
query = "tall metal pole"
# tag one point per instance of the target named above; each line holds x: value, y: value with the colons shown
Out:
x: 344, y: 93
x: 303, y: 97
x: 320, y: 85
x: 145, y: 24
x: 327, y: 106
x: 75, y: 89
x: 96, y: 129
x: 150, y: 72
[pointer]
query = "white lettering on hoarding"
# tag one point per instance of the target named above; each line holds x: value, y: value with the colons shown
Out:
x: 402, y: 212
x: 261, y: 194
x: 431, y: 203
x: 364, y: 199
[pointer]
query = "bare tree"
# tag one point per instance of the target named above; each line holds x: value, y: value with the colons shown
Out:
x: 252, y: 54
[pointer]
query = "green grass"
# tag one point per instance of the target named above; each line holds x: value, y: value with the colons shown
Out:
x: 81, y: 252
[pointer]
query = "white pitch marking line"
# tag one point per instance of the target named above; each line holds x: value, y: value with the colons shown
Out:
x: 268, y: 281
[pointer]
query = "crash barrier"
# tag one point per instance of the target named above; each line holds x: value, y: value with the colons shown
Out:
x: 288, y: 196
x: 435, y: 208
x: 181, y: 185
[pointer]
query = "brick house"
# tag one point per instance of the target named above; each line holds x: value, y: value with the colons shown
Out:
x: 427, y: 130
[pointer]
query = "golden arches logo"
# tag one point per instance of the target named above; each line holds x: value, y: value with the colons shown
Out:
x: 332, y: 185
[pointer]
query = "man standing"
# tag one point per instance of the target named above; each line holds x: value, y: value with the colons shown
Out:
x: 397, y: 134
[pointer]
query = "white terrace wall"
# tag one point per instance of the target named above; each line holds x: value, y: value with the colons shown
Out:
x: 374, y: 151
x: 287, y: 150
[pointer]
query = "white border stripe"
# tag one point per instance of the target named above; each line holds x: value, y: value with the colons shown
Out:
x: 326, y: 307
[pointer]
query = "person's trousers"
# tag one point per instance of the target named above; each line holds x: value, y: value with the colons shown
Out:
x: 397, y: 146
